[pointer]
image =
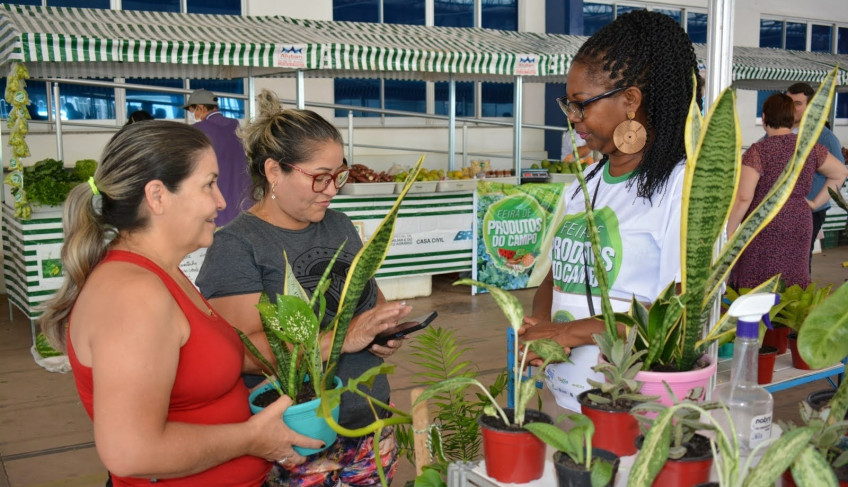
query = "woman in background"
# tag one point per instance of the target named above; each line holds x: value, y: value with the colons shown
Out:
x: 782, y: 247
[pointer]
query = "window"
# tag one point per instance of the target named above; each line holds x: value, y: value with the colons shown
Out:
x: 453, y: 13
x: 598, y: 14
x: 499, y: 14
x: 77, y: 3
x: 595, y: 16
x: 412, y: 95
x: 497, y: 99
x: 464, y: 99
x: 696, y: 27
x: 786, y: 34
x: 156, y: 103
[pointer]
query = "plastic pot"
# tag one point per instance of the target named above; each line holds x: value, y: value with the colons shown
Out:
x: 797, y: 361
x: 726, y: 350
x: 513, y: 455
x: 571, y: 475
x: 789, y: 481
x: 686, y: 471
x: 615, y: 431
x: 765, y: 364
x: 680, y: 382
x: 778, y: 337
x: 302, y: 419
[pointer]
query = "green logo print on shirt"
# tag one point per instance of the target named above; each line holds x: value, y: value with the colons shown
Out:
x: 571, y: 248
x: 513, y: 231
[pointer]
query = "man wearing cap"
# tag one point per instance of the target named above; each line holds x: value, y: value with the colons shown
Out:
x: 233, y: 176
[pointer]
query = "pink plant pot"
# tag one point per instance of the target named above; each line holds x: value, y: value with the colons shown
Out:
x: 680, y: 382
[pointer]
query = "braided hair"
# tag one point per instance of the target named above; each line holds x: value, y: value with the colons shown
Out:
x: 649, y: 50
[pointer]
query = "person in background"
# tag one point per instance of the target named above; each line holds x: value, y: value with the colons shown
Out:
x: 297, y: 165
x: 781, y: 247
x: 801, y: 94
x: 568, y: 148
x: 233, y: 179
x: 156, y: 368
x: 138, y: 116
x: 627, y: 94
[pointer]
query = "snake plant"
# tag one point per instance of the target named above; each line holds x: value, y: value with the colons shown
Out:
x: 713, y: 149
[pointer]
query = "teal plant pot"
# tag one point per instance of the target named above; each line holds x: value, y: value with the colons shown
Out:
x: 302, y: 419
x: 726, y: 350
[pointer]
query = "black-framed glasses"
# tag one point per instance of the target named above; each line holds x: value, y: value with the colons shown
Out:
x: 576, y: 108
x: 321, y: 180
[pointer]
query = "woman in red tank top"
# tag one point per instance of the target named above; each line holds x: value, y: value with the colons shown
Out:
x: 158, y: 371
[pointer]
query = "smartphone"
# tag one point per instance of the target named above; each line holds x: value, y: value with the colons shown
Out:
x: 405, y: 328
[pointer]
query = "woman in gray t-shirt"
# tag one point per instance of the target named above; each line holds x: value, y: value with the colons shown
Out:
x: 296, y: 161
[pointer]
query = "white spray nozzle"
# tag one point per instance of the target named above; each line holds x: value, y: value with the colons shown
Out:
x: 751, y: 307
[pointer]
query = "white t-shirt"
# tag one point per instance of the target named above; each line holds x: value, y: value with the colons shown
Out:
x: 567, y: 147
x: 640, y: 247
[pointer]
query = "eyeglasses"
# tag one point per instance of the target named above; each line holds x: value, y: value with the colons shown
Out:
x: 321, y: 181
x: 576, y: 108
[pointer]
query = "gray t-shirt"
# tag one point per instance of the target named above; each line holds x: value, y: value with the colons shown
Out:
x: 247, y: 257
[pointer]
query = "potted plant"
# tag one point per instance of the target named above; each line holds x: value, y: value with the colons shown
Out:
x: 797, y: 304
x: 608, y: 405
x: 292, y: 325
x: 672, y: 328
x: 512, y: 453
x: 827, y: 441
x: 653, y: 464
x: 823, y: 340
x: 577, y: 463
x: 454, y: 436
x: 778, y: 336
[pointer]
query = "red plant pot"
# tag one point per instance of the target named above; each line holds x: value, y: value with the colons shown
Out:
x: 797, y: 361
x: 615, y: 431
x: 685, y: 471
x: 779, y: 337
x: 788, y: 481
x: 513, y: 455
x: 765, y: 364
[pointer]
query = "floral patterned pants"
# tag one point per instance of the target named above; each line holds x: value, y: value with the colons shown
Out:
x: 348, y: 460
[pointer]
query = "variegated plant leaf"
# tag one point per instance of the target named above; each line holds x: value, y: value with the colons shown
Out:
x: 363, y: 267
x: 509, y: 304
x: 823, y: 339
x: 710, y: 177
x: 291, y: 287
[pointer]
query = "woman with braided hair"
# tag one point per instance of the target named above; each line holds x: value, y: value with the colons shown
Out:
x: 627, y: 94
x: 156, y: 368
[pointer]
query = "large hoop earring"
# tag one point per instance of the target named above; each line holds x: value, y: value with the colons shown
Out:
x: 630, y: 135
x: 273, y: 189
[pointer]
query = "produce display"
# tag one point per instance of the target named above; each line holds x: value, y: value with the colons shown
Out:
x: 17, y: 96
x: 560, y: 167
x: 360, y: 173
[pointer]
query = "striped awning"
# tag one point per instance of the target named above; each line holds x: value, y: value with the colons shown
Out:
x: 774, y: 69
x: 80, y: 43
x: 87, y: 43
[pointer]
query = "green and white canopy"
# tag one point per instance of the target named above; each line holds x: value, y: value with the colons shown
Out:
x: 80, y: 43
x: 84, y: 43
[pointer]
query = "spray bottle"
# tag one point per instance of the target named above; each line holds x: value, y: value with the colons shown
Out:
x: 749, y: 404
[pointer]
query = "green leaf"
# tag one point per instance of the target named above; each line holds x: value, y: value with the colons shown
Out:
x: 778, y: 457
x: 291, y: 286
x: 509, y: 304
x: 601, y: 473
x: 823, y: 339
x: 556, y: 438
x: 710, y: 177
x: 812, y: 470
x: 548, y: 350
x: 429, y: 478
x: 654, y: 452
x: 363, y: 267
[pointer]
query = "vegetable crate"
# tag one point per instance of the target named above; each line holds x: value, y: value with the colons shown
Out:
x: 31, y: 259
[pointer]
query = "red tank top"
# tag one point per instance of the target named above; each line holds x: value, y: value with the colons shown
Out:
x: 207, y: 389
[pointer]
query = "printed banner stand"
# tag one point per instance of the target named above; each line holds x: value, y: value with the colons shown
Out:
x: 511, y: 223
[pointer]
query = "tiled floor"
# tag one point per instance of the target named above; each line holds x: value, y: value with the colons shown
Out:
x: 46, y: 438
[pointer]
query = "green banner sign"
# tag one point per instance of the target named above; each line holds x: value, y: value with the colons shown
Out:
x: 512, y: 222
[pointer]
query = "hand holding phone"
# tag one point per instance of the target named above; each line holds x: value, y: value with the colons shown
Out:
x: 404, y: 329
